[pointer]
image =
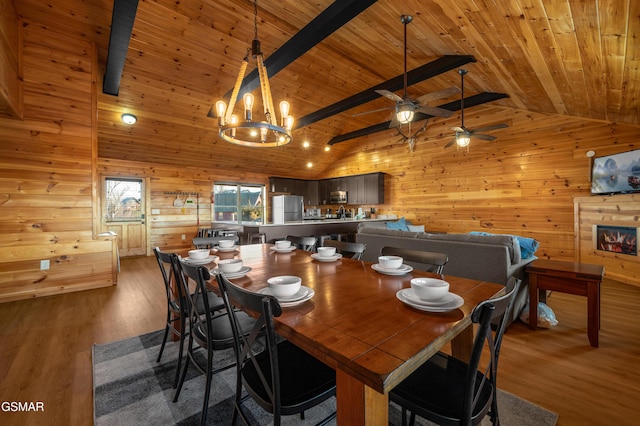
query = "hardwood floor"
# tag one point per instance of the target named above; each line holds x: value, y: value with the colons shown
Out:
x: 45, y: 351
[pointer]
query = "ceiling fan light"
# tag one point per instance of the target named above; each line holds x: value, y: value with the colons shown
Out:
x: 463, y: 140
x: 404, y: 113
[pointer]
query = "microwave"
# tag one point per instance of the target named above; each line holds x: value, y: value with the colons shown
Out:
x: 338, y: 197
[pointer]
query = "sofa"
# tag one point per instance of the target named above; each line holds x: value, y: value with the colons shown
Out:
x: 493, y: 258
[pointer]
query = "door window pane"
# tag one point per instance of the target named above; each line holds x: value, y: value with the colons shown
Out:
x: 123, y: 199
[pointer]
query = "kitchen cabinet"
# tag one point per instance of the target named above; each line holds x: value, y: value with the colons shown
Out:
x: 356, y: 189
x: 324, y: 191
x: 374, y: 188
x: 311, y: 196
x: 361, y: 189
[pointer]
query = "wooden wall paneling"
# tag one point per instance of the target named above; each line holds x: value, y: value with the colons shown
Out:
x: 46, y: 169
x: 614, y: 210
x: 11, y: 95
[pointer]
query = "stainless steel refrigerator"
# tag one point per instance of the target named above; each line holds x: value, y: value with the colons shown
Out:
x: 287, y: 208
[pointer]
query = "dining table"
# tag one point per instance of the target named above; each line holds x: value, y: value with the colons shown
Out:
x: 356, y: 323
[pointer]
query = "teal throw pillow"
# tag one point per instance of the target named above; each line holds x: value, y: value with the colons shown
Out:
x: 400, y: 225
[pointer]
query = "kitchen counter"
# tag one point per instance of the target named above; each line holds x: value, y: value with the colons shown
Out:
x: 309, y: 227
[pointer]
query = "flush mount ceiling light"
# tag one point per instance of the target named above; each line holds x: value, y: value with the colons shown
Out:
x: 129, y: 118
x: 249, y: 132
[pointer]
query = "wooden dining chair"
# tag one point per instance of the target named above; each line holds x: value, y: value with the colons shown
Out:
x: 208, y: 330
x: 427, y: 261
x: 447, y: 391
x: 303, y: 243
x: 177, y: 311
x: 283, y: 379
x: 352, y: 250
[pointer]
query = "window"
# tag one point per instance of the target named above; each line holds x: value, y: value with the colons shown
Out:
x: 238, y: 203
x: 123, y: 198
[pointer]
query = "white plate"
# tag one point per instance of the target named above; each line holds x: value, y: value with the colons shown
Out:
x: 241, y: 273
x: 333, y: 258
x: 204, y: 261
x: 285, y: 250
x: 292, y: 300
x: 404, y: 269
x: 226, y: 249
x: 448, y: 303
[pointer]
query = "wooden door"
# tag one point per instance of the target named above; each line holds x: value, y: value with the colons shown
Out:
x: 124, y: 213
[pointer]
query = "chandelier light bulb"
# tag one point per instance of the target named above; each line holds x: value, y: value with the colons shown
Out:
x: 284, y: 109
x: 248, y: 105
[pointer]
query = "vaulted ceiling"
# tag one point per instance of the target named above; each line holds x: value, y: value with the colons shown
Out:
x: 576, y: 58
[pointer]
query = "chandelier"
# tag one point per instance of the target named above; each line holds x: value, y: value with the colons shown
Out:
x: 247, y: 131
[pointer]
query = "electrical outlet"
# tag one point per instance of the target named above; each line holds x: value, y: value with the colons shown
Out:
x: 184, y: 237
x: 44, y: 264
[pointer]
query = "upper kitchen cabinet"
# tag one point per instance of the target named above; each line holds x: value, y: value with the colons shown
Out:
x: 366, y: 189
x: 361, y: 189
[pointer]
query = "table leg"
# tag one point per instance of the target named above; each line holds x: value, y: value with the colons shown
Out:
x: 533, y: 301
x: 358, y: 404
x: 593, y: 311
x: 462, y: 344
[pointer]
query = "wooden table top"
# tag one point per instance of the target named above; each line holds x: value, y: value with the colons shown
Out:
x: 354, y: 321
x: 581, y: 269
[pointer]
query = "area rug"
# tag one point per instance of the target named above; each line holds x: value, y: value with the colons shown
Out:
x: 131, y: 388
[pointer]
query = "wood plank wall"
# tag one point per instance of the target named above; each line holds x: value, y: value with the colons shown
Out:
x: 524, y: 183
x: 164, y: 183
x: 47, y: 167
x: 10, y: 61
x: 615, y: 210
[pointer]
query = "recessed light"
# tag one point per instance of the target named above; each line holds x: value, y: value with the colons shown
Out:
x: 309, y: 164
x: 305, y: 144
x: 129, y: 118
x: 327, y: 148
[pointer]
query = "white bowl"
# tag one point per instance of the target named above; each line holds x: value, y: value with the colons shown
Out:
x: 326, y: 251
x: 429, y: 289
x: 390, y: 262
x: 283, y: 244
x: 284, y: 286
x: 230, y: 265
x: 226, y: 243
x: 199, y: 254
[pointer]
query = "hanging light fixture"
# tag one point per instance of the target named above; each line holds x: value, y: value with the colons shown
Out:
x: 248, y: 131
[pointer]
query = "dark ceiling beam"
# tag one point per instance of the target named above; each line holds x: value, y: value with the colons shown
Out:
x: 122, y: 18
x: 471, y: 101
x: 326, y: 23
x: 424, y: 72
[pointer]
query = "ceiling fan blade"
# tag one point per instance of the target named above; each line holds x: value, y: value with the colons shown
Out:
x: 394, y: 122
x: 372, y: 111
x: 438, y: 95
x: 483, y: 137
x: 451, y: 142
x: 459, y: 130
x: 389, y: 95
x: 494, y: 127
x: 436, y: 112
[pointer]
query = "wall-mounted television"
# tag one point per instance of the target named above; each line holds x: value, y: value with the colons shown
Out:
x: 615, y: 174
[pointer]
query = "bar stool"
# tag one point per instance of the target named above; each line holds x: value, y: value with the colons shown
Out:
x: 260, y: 237
x: 321, y: 239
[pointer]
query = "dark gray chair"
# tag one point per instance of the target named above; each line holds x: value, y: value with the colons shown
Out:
x: 177, y: 312
x: 352, y: 250
x: 303, y: 243
x: 283, y: 379
x: 427, y: 261
x: 207, y: 330
x: 210, y: 242
x: 447, y: 391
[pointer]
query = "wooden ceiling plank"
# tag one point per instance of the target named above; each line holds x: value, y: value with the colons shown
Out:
x: 426, y: 71
x: 470, y: 101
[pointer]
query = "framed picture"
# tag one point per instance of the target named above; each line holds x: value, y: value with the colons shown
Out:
x: 618, y: 173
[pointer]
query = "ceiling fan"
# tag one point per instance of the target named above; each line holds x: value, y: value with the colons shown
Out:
x: 406, y: 107
x: 464, y: 135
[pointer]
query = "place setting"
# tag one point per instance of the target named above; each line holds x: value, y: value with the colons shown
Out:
x: 326, y: 254
x: 226, y: 246
x: 200, y: 257
x: 431, y: 295
x: 391, y: 265
x: 288, y: 289
x: 282, y: 246
x: 231, y: 268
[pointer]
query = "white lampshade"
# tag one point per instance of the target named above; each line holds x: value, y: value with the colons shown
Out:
x: 463, y: 140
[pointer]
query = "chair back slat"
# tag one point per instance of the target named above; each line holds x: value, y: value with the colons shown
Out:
x: 427, y: 261
x: 353, y: 250
x: 303, y: 243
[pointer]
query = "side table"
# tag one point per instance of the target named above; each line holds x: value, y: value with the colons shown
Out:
x: 567, y: 277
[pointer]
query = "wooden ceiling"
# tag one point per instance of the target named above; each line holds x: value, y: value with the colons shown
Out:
x: 577, y: 58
